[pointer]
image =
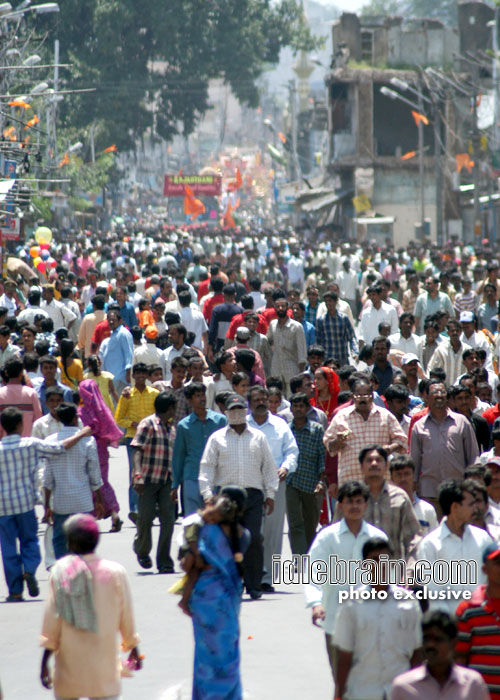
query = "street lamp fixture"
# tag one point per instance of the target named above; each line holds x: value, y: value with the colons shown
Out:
x: 38, y: 89
x: 32, y: 60
x: 389, y: 93
x: 45, y: 8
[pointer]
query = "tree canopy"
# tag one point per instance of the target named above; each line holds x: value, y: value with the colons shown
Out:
x: 151, y: 62
x: 445, y: 10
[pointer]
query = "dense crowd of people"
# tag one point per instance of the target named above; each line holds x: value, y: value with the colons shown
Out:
x: 349, y: 388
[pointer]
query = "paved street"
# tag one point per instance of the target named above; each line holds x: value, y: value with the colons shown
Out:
x: 283, y: 655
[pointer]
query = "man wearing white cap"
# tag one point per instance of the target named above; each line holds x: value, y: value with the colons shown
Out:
x: 470, y: 335
x: 242, y: 337
x: 409, y: 365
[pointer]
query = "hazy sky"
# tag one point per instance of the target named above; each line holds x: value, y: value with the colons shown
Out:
x: 352, y: 5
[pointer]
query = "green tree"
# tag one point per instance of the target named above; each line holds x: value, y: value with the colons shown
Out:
x: 151, y: 62
x: 445, y: 10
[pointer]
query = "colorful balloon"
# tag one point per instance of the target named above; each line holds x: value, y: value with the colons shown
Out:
x: 45, y: 255
x: 34, y: 250
x: 37, y: 260
x: 52, y: 262
x: 41, y: 267
x: 43, y: 235
x: 44, y: 246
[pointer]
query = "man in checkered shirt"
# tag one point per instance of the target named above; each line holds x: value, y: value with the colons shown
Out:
x: 19, y: 459
x: 153, y: 446
x: 362, y: 424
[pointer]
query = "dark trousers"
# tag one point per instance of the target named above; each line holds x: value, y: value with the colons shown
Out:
x: 253, y: 563
x: 303, y: 517
x: 153, y: 495
x: 59, y: 537
x: 20, y: 528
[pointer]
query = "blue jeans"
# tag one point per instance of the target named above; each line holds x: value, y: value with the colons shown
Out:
x: 59, y: 536
x: 22, y: 527
x: 191, y: 497
x: 133, y: 498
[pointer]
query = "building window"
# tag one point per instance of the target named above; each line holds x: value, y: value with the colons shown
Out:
x: 367, y: 47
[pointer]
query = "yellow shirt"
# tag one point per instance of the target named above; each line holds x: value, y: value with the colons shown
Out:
x: 138, y: 406
x: 102, y: 381
x: 74, y: 375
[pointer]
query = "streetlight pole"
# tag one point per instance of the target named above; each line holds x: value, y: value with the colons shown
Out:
x: 421, y: 165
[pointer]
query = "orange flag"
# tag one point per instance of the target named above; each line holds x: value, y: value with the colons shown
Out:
x: 235, y: 184
x: 10, y: 133
x: 239, y: 180
x: 32, y: 122
x: 192, y: 207
x: 110, y: 149
x: 64, y: 160
x: 281, y: 137
x: 419, y: 118
x: 228, y: 221
x: 409, y: 155
x: 464, y: 161
x: 19, y: 103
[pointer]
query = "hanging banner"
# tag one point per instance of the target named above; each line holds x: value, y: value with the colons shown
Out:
x: 209, y: 185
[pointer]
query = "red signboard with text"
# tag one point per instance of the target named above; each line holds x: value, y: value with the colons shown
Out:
x: 209, y: 185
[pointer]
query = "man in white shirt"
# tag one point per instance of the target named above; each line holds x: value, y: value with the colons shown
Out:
x: 60, y: 314
x: 194, y: 321
x: 402, y: 471
x: 345, y: 541
x: 259, y: 300
x: 375, y: 314
x: 225, y: 364
x: 454, y: 540
x: 177, y: 336
x: 146, y: 352
x: 470, y: 335
x: 295, y: 267
x: 405, y: 341
x: 378, y: 636
x: 348, y: 283
x: 240, y: 455
x: 68, y: 301
x: 33, y: 308
x: 8, y: 298
x: 285, y: 452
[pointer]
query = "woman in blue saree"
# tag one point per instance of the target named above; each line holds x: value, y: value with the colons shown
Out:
x: 215, y: 605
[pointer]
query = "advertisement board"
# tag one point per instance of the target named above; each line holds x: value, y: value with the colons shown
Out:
x: 208, y: 185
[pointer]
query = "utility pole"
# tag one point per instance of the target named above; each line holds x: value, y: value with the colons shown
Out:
x: 293, y: 127
x: 55, y: 98
x: 421, y: 163
x: 439, y: 171
x: 494, y: 75
x: 475, y: 151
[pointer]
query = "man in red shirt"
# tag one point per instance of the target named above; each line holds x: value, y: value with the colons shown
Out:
x: 270, y: 314
x: 492, y: 413
x: 102, y: 330
x: 216, y: 285
x: 239, y: 320
x: 205, y: 285
x: 478, y: 645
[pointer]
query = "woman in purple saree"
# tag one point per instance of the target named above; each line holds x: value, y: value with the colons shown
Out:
x: 95, y: 413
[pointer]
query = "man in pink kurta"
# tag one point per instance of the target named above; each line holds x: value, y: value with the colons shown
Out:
x: 22, y: 397
x: 88, y: 607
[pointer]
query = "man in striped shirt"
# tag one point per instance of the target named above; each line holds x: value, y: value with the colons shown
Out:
x: 478, y: 645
